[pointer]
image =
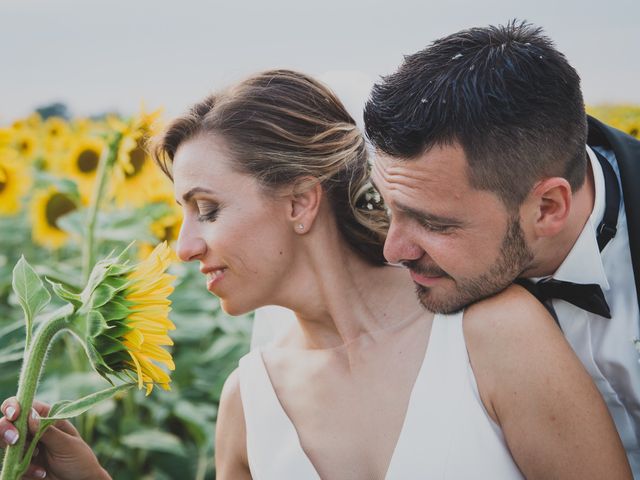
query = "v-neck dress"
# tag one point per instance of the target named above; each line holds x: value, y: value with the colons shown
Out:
x: 447, y: 433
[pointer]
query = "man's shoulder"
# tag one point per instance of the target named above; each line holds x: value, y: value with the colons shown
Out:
x: 603, y: 135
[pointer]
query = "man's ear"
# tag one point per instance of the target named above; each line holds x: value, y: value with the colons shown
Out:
x: 304, y: 204
x: 551, y: 200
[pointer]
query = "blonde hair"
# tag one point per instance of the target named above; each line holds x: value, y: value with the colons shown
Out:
x: 281, y: 126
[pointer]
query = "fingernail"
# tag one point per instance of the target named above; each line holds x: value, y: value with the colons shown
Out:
x: 34, y: 414
x: 11, y: 437
x: 39, y: 473
x: 10, y: 412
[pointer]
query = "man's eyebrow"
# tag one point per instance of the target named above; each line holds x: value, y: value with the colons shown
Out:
x: 187, y: 196
x: 424, y: 217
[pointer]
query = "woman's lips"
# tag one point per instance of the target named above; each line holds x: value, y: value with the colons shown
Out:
x: 214, y: 277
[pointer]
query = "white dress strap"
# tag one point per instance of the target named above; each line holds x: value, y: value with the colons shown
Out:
x: 273, y: 445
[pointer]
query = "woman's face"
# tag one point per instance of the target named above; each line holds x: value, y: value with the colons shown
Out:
x: 238, y: 233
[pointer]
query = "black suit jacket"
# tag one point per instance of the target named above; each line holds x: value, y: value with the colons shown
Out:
x: 627, y: 151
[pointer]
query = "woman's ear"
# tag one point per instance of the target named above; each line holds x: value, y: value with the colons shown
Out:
x: 551, y: 200
x: 304, y: 204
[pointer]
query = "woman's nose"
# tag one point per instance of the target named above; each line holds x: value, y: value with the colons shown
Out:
x: 190, y: 245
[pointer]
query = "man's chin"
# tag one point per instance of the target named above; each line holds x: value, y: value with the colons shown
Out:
x: 440, y: 303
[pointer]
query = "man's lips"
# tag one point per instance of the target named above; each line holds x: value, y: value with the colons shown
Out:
x: 426, y: 280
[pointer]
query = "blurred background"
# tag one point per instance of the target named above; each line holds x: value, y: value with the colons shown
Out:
x: 98, y: 56
x: 75, y: 73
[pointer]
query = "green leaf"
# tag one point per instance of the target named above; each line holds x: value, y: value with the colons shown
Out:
x: 199, y: 418
x: 69, y: 409
x: 97, y: 361
x: 31, y: 292
x: 11, y: 357
x: 96, y: 324
x: 101, y: 295
x: 71, y: 297
x: 107, y: 345
x: 154, y: 440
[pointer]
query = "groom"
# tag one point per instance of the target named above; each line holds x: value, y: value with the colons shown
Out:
x: 493, y: 173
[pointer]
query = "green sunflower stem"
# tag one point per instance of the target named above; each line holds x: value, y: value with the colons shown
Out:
x: 105, y: 166
x: 15, y: 463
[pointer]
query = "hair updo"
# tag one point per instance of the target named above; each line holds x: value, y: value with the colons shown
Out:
x: 281, y: 126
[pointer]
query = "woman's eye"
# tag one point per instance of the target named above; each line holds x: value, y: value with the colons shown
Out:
x: 208, y: 214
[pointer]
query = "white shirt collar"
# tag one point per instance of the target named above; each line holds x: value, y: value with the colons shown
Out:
x: 583, y: 264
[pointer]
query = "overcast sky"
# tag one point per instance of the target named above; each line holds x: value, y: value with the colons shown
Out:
x: 111, y: 55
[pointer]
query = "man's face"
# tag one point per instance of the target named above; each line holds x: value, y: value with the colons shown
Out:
x: 460, y: 244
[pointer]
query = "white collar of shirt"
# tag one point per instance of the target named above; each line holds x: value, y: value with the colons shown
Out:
x: 584, y: 263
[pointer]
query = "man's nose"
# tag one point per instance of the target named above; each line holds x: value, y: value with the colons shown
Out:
x: 191, y: 246
x: 400, y: 245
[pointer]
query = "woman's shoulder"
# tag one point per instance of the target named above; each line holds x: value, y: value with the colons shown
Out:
x: 231, y: 446
x: 513, y: 312
x: 511, y: 336
x: 230, y: 398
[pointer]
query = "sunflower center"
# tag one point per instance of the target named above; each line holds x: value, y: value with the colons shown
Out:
x: 138, y: 157
x: 57, y: 206
x: 88, y: 161
x: 168, y: 232
x: 3, y: 179
x: 24, y: 146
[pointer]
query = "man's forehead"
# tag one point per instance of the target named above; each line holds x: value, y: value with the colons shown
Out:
x: 438, y: 165
x: 388, y: 172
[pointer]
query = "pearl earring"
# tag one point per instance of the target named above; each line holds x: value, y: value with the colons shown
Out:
x: 300, y: 226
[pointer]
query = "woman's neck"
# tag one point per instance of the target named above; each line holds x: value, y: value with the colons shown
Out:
x: 339, y: 297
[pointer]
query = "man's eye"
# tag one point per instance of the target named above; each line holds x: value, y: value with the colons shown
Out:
x: 435, y: 228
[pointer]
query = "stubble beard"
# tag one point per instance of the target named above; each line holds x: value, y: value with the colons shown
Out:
x: 515, y: 257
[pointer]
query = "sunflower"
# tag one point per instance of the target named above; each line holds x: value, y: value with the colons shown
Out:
x: 164, y: 229
x: 622, y: 117
x: 81, y: 164
x: 25, y: 143
x: 14, y: 183
x: 167, y: 219
x: 55, y: 134
x: 32, y: 122
x: 129, y: 318
x: 6, y: 134
x: 47, y: 206
x: 135, y: 172
x: 56, y: 127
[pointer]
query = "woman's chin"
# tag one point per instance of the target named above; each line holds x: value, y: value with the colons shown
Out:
x: 235, y: 309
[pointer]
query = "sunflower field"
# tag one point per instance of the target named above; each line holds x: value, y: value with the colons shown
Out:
x: 71, y: 192
x: 63, y: 209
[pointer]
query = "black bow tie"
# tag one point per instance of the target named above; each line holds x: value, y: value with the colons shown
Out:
x: 588, y: 297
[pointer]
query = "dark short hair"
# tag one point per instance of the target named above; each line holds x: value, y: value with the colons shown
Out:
x: 504, y: 93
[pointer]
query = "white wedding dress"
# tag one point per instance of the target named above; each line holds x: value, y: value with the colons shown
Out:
x: 447, y: 433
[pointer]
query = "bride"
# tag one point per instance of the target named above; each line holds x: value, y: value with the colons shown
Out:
x: 272, y: 177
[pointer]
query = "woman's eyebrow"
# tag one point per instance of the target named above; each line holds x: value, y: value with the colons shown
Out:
x: 187, y: 196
